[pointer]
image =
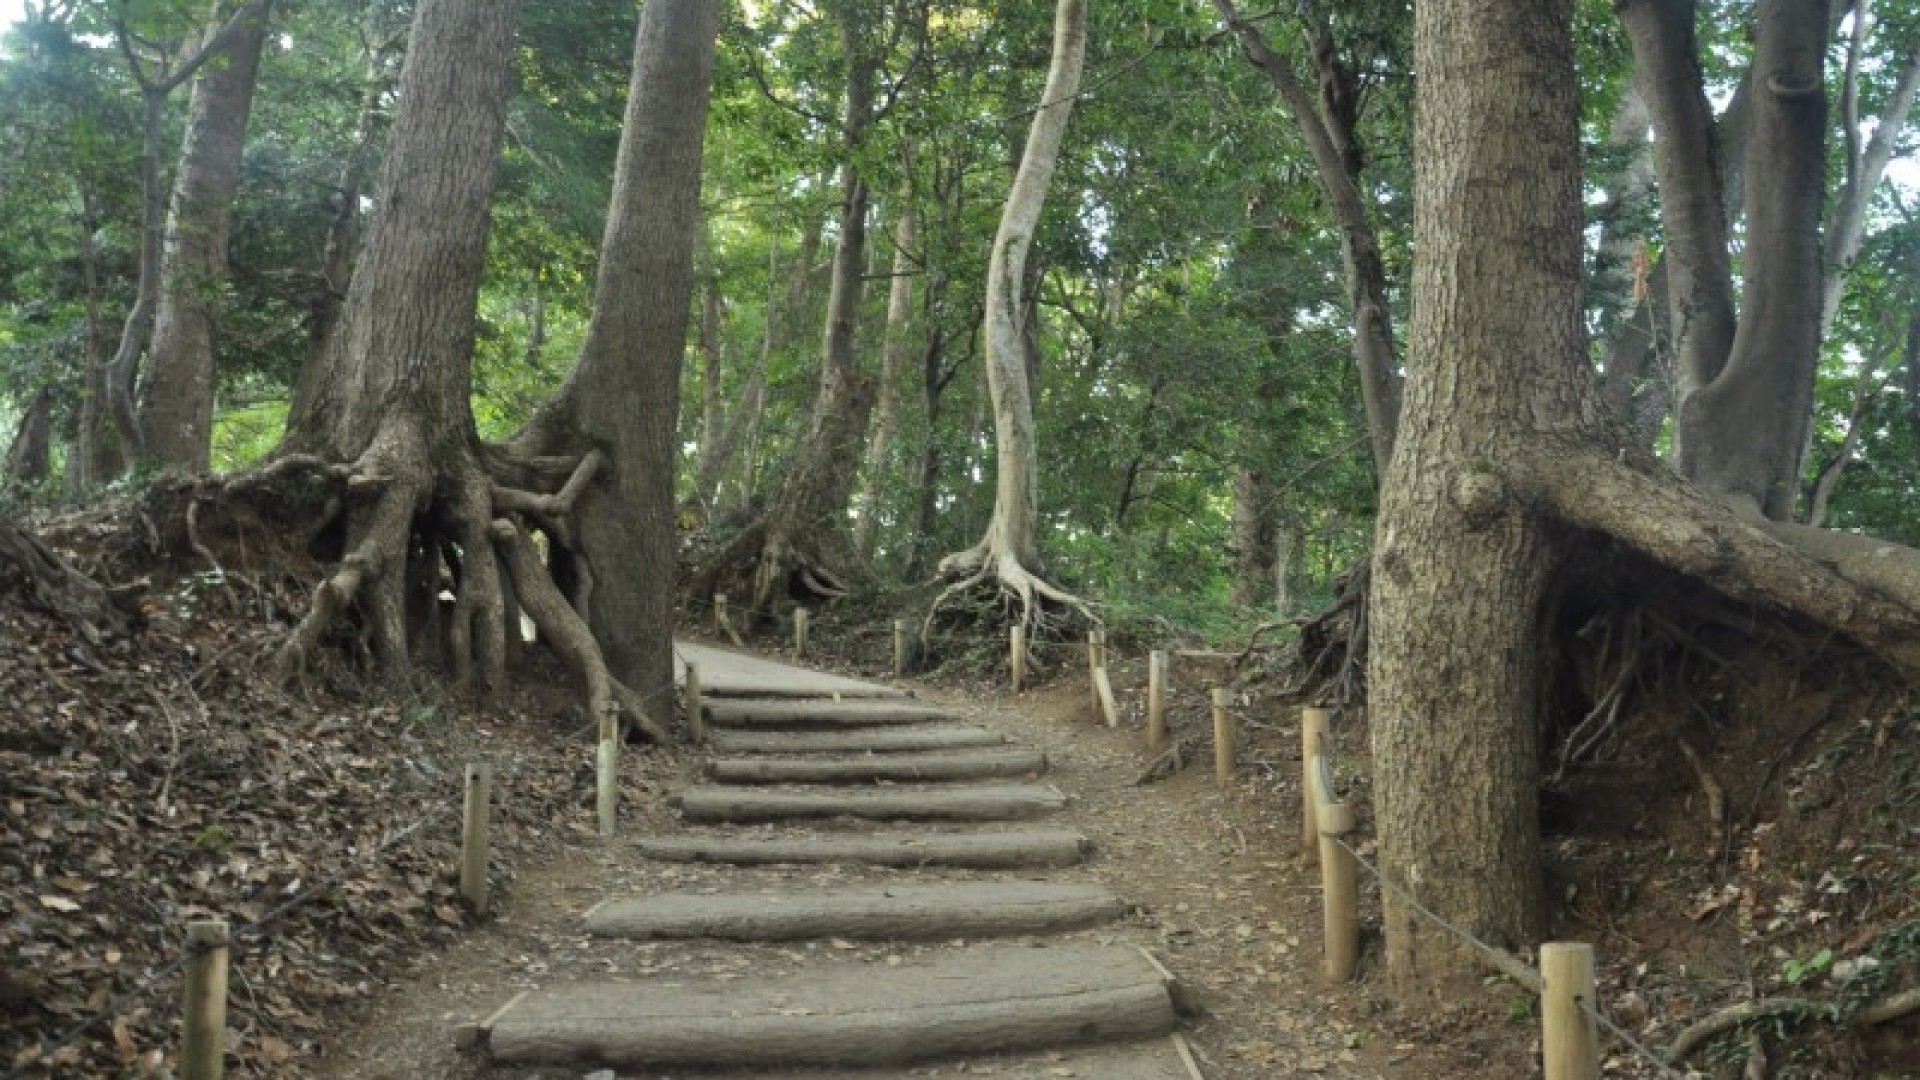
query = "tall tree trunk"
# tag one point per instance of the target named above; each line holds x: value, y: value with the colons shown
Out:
x: 624, y: 396
x: 177, y: 415
x: 896, y: 353
x: 1743, y: 433
x: 802, y: 547
x: 1328, y: 126
x: 155, y: 88
x: 713, y: 415
x: 1010, y: 550
x: 1254, y: 541
x: 95, y: 458
x: 1865, y: 166
x: 1455, y: 671
x: 396, y: 398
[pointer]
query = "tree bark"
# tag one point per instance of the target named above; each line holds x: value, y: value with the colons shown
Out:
x: 177, y: 415
x: 96, y: 458
x: 623, y: 397
x: 30, y: 454
x: 1699, y: 271
x: 896, y: 353
x: 1743, y: 432
x: 1328, y: 126
x: 395, y: 399
x: 1459, y: 575
x: 1010, y: 550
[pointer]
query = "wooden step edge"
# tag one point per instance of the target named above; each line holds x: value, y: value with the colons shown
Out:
x: 1186, y: 1000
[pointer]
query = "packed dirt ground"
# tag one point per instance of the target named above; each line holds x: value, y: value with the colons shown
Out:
x: 156, y: 778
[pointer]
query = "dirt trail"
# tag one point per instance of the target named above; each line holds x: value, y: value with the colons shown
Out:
x: 1210, y: 877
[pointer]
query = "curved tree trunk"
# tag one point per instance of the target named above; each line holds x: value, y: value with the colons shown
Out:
x: 1328, y: 128
x: 177, y: 415
x: 1010, y: 550
x: 1459, y: 575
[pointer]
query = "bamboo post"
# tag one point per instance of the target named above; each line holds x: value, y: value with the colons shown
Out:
x: 1156, y: 700
x: 1223, y: 739
x: 607, y: 774
x: 1569, y: 1042
x: 1313, y: 734
x: 696, y: 705
x: 474, y: 839
x: 203, y: 1036
x: 1019, y: 658
x: 1103, y: 689
x: 1339, y: 877
x: 1096, y: 659
x: 899, y: 648
x: 799, y: 632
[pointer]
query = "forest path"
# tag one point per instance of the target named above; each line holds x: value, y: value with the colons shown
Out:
x: 941, y: 947
x: 962, y: 1000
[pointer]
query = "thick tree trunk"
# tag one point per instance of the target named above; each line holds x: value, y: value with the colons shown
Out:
x: 1010, y: 550
x: 623, y: 397
x: 395, y: 400
x: 1459, y: 574
x: 177, y: 415
x: 1743, y: 432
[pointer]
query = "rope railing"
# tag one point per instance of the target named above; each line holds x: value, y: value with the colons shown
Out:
x: 1569, y: 1013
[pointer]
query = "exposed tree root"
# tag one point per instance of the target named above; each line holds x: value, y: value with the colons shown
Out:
x: 59, y: 588
x: 407, y: 529
x: 985, y: 567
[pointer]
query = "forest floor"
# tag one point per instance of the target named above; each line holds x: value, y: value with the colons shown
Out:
x: 152, y: 780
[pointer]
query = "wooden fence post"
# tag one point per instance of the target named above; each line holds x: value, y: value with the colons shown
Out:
x: 1569, y: 1041
x: 899, y: 648
x: 696, y: 705
x: 607, y: 772
x: 1313, y: 736
x: 1096, y: 659
x: 1223, y: 739
x: 203, y: 1036
x: 1019, y: 658
x: 1339, y: 875
x: 1156, y: 700
x: 799, y: 632
x: 474, y: 836
x: 719, y: 612
x: 1103, y: 690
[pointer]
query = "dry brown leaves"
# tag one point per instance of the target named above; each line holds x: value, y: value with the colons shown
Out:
x: 159, y: 779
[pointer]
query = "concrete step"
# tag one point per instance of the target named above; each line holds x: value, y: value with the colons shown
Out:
x: 971, y: 1001
x: 819, y: 713
x: 919, y: 737
x: 973, y: 802
x: 975, y: 850
x: 898, y: 768
x: 964, y: 909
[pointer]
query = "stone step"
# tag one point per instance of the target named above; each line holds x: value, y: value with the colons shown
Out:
x: 1168, y: 1058
x: 962, y: 765
x: 1030, y: 849
x: 971, y: 1001
x: 977, y: 802
x: 965, y: 909
x: 858, y: 740
x: 819, y: 713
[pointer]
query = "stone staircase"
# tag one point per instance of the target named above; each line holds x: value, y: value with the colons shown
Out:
x: 877, y: 781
